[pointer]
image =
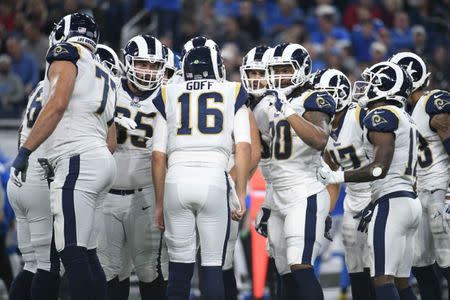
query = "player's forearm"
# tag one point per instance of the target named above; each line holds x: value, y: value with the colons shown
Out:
x: 159, y: 176
x: 255, y: 145
x: 313, y: 135
x: 242, y: 163
x: 333, y: 190
x: 111, y: 139
x: 45, y: 125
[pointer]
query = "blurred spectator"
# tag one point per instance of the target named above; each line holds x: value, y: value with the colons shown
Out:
x: 328, y: 29
x: 420, y: 43
x: 207, y: 20
x: 378, y: 52
x: 363, y: 35
x: 35, y: 43
x: 351, y: 15
x: 231, y: 33
x: 112, y: 10
x: 168, y: 13
x: 248, y: 22
x: 11, y: 87
x: 226, y: 8
x: 384, y: 36
x: 282, y: 17
x: 440, y: 68
x: 232, y: 60
x: 401, y: 34
x: 36, y: 11
x: 295, y: 34
x: 7, y: 14
x: 391, y: 7
x: 23, y: 64
x: 7, y: 221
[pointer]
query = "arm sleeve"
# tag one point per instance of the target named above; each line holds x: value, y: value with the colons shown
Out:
x: 381, y: 120
x: 438, y: 102
x: 63, y: 51
x: 320, y: 101
x: 160, y: 135
x: 241, y: 130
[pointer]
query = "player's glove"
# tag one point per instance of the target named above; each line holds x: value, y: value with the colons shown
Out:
x: 445, y: 213
x: 328, y: 225
x: 326, y: 176
x: 48, y: 171
x: 365, y: 215
x: 20, y: 166
x: 126, y: 123
x: 280, y: 103
x: 261, y: 221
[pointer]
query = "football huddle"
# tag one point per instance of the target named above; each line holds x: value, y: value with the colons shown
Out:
x: 142, y: 164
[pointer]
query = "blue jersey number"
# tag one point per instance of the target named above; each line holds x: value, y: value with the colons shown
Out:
x: 107, y: 84
x: 35, y: 108
x: 204, y: 113
x: 136, y: 141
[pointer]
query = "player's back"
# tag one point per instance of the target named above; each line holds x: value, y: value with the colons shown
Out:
x: 345, y: 147
x: 90, y: 111
x: 133, y: 153
x: 401, y: 174
x: 200, y: 121
x: 433, y: 162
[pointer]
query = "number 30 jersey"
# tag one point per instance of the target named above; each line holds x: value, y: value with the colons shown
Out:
x: 133, y: 154
x: 433, y: 161
x: 84, y: 125
x: 201, y: 119
x: 294, y: 163
x: 402, y: 172
x: 345, y: 147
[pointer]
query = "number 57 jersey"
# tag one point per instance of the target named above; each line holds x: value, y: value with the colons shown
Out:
x: 84, y: 125
x: 134, y: 148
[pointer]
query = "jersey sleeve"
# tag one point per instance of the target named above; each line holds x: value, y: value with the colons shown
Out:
x: 381, y: 120
x: 241, y: 128
x: 438, y: 102
x: 360, y: 114
x: 241, y: 97
x: 160, y: 101
x: 63, y: 52
x: 320, y: 101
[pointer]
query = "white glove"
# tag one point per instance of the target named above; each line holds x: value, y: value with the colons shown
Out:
x: 326, y: 176
x: 125, y: 122
x: 233, y: 197
x: 446, y: 212
x: 279, y: 101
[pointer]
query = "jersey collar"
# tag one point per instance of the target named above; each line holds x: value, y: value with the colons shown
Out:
x: 141, y: 96
x: 335, y: 132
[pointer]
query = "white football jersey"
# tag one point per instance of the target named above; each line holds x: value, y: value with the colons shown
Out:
x: 433, y: 163
x: 260, y: 111
x: 84, y: 125
x: 294, y: 163
x: 134, y: 148
x: 345, y: 147
x: 34, y: 107
x: 402, y: 172
x: 200, y: 117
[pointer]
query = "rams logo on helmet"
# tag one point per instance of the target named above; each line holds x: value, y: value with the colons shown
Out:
x: 377, y: 120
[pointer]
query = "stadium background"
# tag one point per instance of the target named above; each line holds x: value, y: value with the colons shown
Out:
x: 348, y: 35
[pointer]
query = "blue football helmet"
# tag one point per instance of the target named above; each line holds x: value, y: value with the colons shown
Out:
x: 109, y: 59
x: 256, y: 60
x: 415, y: 66
x: 198, y: 41
x: 78, y: 28
x: 171, y: 64
x: 202, y: 63
x: 145, y: 59
x: 383, y: 81
x: 294, y: 56
x: 336, y: 83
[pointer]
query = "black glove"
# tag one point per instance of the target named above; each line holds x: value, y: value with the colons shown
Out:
x: 328, y: 225
x: 20, y: 166
x: 261, y: 221
x: 365, y: 215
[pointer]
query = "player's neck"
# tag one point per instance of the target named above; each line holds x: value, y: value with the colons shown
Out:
x: 337, y: 118
x: 414, y: 97
x: 134, y: 89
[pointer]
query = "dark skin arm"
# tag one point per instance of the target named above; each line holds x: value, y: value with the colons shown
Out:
x: 441, y: 123
x: 62, y: 75
x: 384, y: 143
x: 159, y: 163
x: 111, y: 138
x: 333, y: 189
x: 312, y: 128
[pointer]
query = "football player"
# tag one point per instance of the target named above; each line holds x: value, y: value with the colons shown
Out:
x: 196, y: 125
x: 299, y: 127
x: 77, y: 116
x: 39, y: 278
x: 430, y: 111
x: 391, y: 146
x: 171, y: 65
x: 129, y: 208
x: 345, y: 150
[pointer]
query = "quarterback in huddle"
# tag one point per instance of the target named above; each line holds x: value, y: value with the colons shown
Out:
x: 139, y: 163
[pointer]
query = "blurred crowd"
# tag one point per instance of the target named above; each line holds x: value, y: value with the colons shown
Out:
x: 347, y: 35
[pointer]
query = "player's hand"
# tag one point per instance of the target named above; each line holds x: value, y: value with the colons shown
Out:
x: 365, y: 215
x: 19, y: 167
x: 48, y: 173
x: 328, y: 225
x: 280, y: 103
x: 235, y: 204
x: 125, y: 122
x: 238, y: 214
x: 446, y: 212
x: 159, y: 218
x: 261, y: 221
x: 326, y: 176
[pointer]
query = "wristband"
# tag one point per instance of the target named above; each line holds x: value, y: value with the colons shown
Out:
x: 24, y: 152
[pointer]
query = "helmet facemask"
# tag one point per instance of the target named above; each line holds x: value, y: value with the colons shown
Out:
x: 254, y: 78
x: 286, y: 75
x: 146, y: 73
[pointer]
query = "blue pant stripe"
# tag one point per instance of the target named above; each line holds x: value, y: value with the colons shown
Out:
x: 379, y: 234
x: 68, y: 205
x: 310, y: 229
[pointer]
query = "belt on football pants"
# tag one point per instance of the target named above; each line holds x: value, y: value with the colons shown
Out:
x: 123, y: 192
